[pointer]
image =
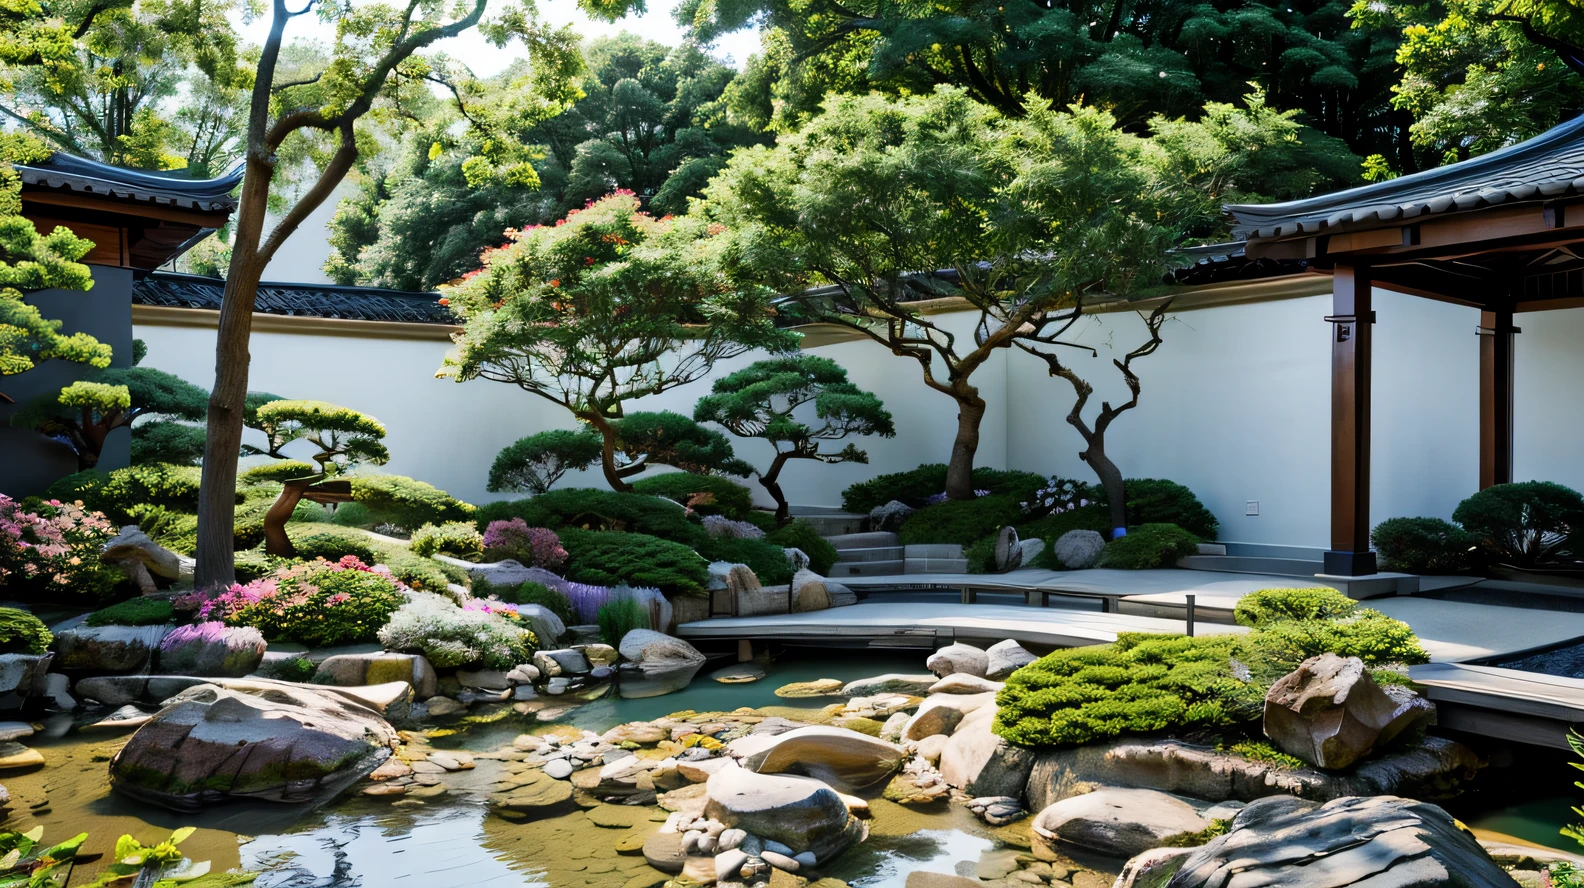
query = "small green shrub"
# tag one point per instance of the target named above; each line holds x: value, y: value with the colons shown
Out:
x: 352, y: 515
x: 135, y: 612
x: 22, y: 633
x: 1370, y: 635
x: 176, y: 531
x: 620, y: 616
x: 704, y: 494
x: 306, y: 512
x: 331, y: 545
x: 1423, y: 545
x: 86, y: 486
x: 1158, y: 501
x: 297, y: 669
x: 763, y: 520
x: 1527, y: 524
x: 606, y: 558
x: 800, y: 534
x: 450, y: 636
x: 278, y: 471
x: 1148, y: 547
x: 253, y: 563
x: 981, y: 555
x: 915, y: 486
x: 960, y: 521
x: 767, y: 560
x: 460, y: 539
x: 590, y: 508
x: 536, y: 593
x: 407, y: 503
x: 1215, y: 830
x: 420, y: 572
x: 158, y: 484
x: 1266, y: 607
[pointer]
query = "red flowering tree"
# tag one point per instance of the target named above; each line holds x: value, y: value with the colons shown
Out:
x: 607, y: 306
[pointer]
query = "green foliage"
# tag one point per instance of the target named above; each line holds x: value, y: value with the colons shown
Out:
x: 620, y: 616
x: 165, y: 441
x: 299, y: 669
x: 1149, y: 546
x: 343, y: 438
x: 915, y: 486
x: 135, y: 612
x: 457, y: 538
x: 1157, y: 501
x: 331, y: 545
x: 279, y: 471
x: 1525, y: 524
x: 22, y: 633
x: 420, y: 572
x: 960, y: 521
x: 766, y: 559
x: 594, y: 509
x: 1148, y: 684
x: 1261, y: 751
x: 800, y: 534
x: 174, y: 529
x: 535, y: 463
x: 1576, y: 831
x: 1215, y: 830
x: 157, y: 484
x: 85, y: 486
x: 353, y: 515
x: 703, y: 494
x: 1423, y: 545
x: 450, y: 636
x: 85, y: 412
x: 253, y: 503
x: 253, y: 563
x: 535, y: 593
x: 980, y: 555
x: 1051, y: 527
x: 765, y: 521
x: 671, y: 439
x: 1266, y: 607
x: 406, y: 503
x: 315, y: 603
x: 604, y: 558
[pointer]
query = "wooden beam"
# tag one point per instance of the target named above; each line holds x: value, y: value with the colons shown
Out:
x: 100, y: 205
x: 1352, y: 338
x: 1496, y: 343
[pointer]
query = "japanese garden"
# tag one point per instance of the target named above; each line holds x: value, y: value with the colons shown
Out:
x: 776, y: 444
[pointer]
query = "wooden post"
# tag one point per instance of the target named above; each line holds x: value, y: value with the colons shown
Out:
x: 1496, y: 347
x: 1352, y: 338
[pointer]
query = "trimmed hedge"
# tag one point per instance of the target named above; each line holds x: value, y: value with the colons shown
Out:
x: 917, y: 485
x: 767, y: 560
x: 1148, y: 684
x: 407, y: 503
x: 589, y: 508
x: 1148, y: 547
x: 799, y: 534
x: 960, y: 521
x: 606, y: 558
x: 1266, y: 607
x: 724, y: 497
x: 1423, y: 545
x: 1525, y: 524
x: 1158, y: 501
x: 278, y: 471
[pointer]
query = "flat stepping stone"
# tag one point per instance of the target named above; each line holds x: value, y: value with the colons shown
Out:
x: 739, y: 674
x: 633, y: 841
x: 543, y: 797
x: 15, y: 730
x: 618, y: 816
x: 820, y: 687
x: 15, y: 756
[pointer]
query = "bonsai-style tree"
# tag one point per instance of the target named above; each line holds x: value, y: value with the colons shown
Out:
x: 763, y: 400
x: 344, y: 437
x: 33, y: 261
x: 887, y: 205
x: 535, y: 463
x: 605, y: 307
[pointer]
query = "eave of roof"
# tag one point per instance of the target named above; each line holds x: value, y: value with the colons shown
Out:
x: 63, y: 171
x: 1547, y: 166
x: 191, y: 291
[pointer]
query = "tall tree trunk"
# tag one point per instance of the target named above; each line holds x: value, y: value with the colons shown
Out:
x: 1110, y: 479
x: 770, y: 480
x: 959, y: 472
x: 217, y: 486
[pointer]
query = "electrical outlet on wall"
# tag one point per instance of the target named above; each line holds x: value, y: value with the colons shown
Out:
x: 1251, y: 508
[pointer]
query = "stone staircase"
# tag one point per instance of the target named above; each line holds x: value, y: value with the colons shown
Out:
x: 882, y: 554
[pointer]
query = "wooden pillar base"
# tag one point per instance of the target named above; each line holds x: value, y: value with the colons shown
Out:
x: 1350, y: 564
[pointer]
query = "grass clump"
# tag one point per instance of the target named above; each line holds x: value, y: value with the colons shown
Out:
x: 1151, y: 684
x: 1215, y: 830
x: 135, y: 612
x: 619, y: 616
x: 1260, y: 751
x: 536, y: 593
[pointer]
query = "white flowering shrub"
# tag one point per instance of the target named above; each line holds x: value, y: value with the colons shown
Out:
x: 450, y: 636
x: 1058, y: 495
x: 721, y: 527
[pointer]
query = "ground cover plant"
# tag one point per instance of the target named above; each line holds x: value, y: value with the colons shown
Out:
x: 915, y: 487
x: 451, y: 636
x: 960, y: 521
x: 459, y: 539
x: 1150, y: 684
x: 135, y: 612
x: 767, y: 560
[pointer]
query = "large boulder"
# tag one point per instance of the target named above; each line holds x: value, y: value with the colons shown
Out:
x: 356, y: 670
x: 1008, y: 554
x: 211, y: 650
x: 108, y: 649
x: 663, y: 663
x: 978, y: 761
x: 1078, y: 549
x: 546, y: 626
x: 958, y: 657
x: 734, y: 579
x: 279, y: 743
x: 799, y: 812
x: 507, y: 574
x: 941, y: 713
x: 836, y: 755
x: 22, y: 677
x: 1117, y: 822
x: 1006, y: 657
x: 810, y: 591
x: 891, y: 683
x: 889, y: 517
x: 1331, y: 713
x: 1377, y: 841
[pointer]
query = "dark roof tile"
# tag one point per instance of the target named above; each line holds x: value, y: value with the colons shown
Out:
x: 92, y: 177
x: 171, y: 290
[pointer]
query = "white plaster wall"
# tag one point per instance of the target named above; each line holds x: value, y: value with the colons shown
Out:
x: 1548, y: 409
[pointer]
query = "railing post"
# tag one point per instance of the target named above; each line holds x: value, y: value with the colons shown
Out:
x: 1190, y: 615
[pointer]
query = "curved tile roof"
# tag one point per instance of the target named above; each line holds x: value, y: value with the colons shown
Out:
x: 1546, y: 166
x: 92, y: 177
x: 171, y: 290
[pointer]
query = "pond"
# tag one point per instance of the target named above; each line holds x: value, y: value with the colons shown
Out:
x: 454, y: 839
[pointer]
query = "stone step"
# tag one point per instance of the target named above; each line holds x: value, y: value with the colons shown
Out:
x: 830, y: 524
x: 933, y: 550
x: 866, y: 568
x: 1282, y: 567
x: 935, y: 566
x: 879, y: 553
x: 871, y: 540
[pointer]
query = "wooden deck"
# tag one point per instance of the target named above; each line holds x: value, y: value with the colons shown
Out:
x: 1528, y: 707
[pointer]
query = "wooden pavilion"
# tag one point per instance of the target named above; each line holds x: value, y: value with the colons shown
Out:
x: 1503, y: 233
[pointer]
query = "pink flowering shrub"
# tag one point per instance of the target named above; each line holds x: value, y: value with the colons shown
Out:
x: 531, y: 546
x: 319, y: 603
x: 54, y: 551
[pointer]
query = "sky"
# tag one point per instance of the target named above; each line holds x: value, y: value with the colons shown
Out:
x: 655, y: 24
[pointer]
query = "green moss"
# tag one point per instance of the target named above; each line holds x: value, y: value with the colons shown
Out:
x: 1216, y: 829
x: 22, y: 633
x: 705, y: 494
x: 800, y: 534
x: 1149, y: 547
x: 135, y: 612
x: 1260, y: 751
